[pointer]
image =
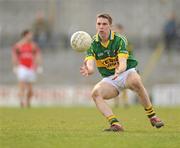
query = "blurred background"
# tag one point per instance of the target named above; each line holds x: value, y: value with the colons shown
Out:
x: 152, y: 26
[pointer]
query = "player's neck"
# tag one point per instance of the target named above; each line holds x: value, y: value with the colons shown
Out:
x: 105, y: 37
x: 25, y: 41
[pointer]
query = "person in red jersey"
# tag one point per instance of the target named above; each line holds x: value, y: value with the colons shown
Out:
x: 26, y: 58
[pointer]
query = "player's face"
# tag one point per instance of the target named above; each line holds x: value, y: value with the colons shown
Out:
x: 29, y: 36
x: 103, y: 27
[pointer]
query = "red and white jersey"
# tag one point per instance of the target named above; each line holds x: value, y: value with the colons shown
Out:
x: 26, y: 54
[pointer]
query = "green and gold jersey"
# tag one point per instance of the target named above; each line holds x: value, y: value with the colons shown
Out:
x: 106, y: 55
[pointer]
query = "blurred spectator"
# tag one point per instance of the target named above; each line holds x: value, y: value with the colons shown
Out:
x: 178, y: 36
x: 120, y: 29
x: 42, y: 31
x: 170, y: 29
x: 124, y: 95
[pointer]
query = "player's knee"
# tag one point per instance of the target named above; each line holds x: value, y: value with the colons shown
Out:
x: 96, y: 93
x: 30, y: 93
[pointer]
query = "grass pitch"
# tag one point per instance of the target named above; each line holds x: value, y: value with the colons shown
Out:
x: 81, y: 127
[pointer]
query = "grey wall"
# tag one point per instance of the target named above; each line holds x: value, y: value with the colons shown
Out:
x: 140, y: 17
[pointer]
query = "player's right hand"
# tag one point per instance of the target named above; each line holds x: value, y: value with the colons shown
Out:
x: 84, y: 69
x: 15, y: 69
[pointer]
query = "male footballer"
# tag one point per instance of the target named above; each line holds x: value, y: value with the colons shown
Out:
x: 26, y: 59
x: 108, y: 51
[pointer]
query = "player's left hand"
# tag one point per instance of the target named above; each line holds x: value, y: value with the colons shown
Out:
x: 117, y: 73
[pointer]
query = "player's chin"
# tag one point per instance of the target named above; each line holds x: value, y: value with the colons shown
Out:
x: 101, y: 32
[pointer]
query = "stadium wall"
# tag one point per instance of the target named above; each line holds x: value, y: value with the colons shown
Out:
x: 55, y: 96
x: 162, y: 95
x: 141, y: 18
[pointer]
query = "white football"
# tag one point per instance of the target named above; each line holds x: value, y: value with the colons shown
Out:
x: 81, y: 41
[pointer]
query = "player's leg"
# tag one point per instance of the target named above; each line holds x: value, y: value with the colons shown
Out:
x: 31, y: 78
x: 100, y: 93
x: 29, y: 94
x: 21, y: 93
x: 22, y: 76
x: 134, y: 83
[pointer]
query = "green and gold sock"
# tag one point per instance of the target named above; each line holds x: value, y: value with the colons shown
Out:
x: 113, y: 120
x: 150, y: 112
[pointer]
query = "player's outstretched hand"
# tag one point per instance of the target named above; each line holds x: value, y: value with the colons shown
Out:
x: 15, y: 69
x: 84, y: 69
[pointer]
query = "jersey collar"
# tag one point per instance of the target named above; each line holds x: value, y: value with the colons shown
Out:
x: 111, y: 36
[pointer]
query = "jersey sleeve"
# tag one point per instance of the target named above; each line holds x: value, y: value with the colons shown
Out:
x: 90, y: 54
x: 122, y: 51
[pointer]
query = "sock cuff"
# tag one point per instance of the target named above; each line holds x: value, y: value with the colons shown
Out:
x: 148, y: 108
x: 150, y: 112
x: 111, y: 117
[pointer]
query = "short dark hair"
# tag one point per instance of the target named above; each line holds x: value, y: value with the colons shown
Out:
x: 105, y: 15
x: 25, y: 32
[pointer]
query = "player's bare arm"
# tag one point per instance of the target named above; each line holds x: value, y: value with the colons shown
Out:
x: 87, y: 68
x: 14, y: 57
x: 121, y: 67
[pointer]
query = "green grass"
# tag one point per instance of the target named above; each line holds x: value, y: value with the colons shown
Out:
x: 81, y: 127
